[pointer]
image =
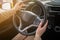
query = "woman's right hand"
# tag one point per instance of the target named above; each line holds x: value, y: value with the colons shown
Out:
x: 40, y: 30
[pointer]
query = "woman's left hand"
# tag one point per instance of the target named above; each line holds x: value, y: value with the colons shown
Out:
x: 19, y: 6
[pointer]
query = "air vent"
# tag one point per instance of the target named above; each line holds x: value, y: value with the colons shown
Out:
x: 55, y: 8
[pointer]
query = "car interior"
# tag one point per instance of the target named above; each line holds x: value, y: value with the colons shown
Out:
x: 25, y: 21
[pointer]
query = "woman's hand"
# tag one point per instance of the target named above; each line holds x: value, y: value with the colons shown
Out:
x: 40, y: 30
x: 18, y: 6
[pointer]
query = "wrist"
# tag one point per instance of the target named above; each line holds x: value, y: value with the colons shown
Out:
x: 37, y: 37
x: 16, y: 11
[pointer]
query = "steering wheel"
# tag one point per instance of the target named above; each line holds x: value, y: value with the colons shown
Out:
x: 27, y: 21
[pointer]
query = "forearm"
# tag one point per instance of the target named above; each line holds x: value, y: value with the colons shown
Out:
x: 37, y: 37
x: 6, y: 14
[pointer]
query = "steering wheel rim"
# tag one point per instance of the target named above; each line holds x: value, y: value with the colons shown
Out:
x: 44, y: 10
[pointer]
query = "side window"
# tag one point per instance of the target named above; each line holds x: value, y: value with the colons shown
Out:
x: 7, y: 4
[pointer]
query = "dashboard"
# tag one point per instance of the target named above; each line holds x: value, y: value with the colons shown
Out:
x: 53, y: 30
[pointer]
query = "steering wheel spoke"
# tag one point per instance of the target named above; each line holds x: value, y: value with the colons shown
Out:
x: 25, y: 29
x: 37, y: 21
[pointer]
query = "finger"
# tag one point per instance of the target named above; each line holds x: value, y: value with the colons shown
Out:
x: 45, y: 26
x: 41, y: 23
x: 19, y: 3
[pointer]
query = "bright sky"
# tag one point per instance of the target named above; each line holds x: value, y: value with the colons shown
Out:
x: 6, y: 6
